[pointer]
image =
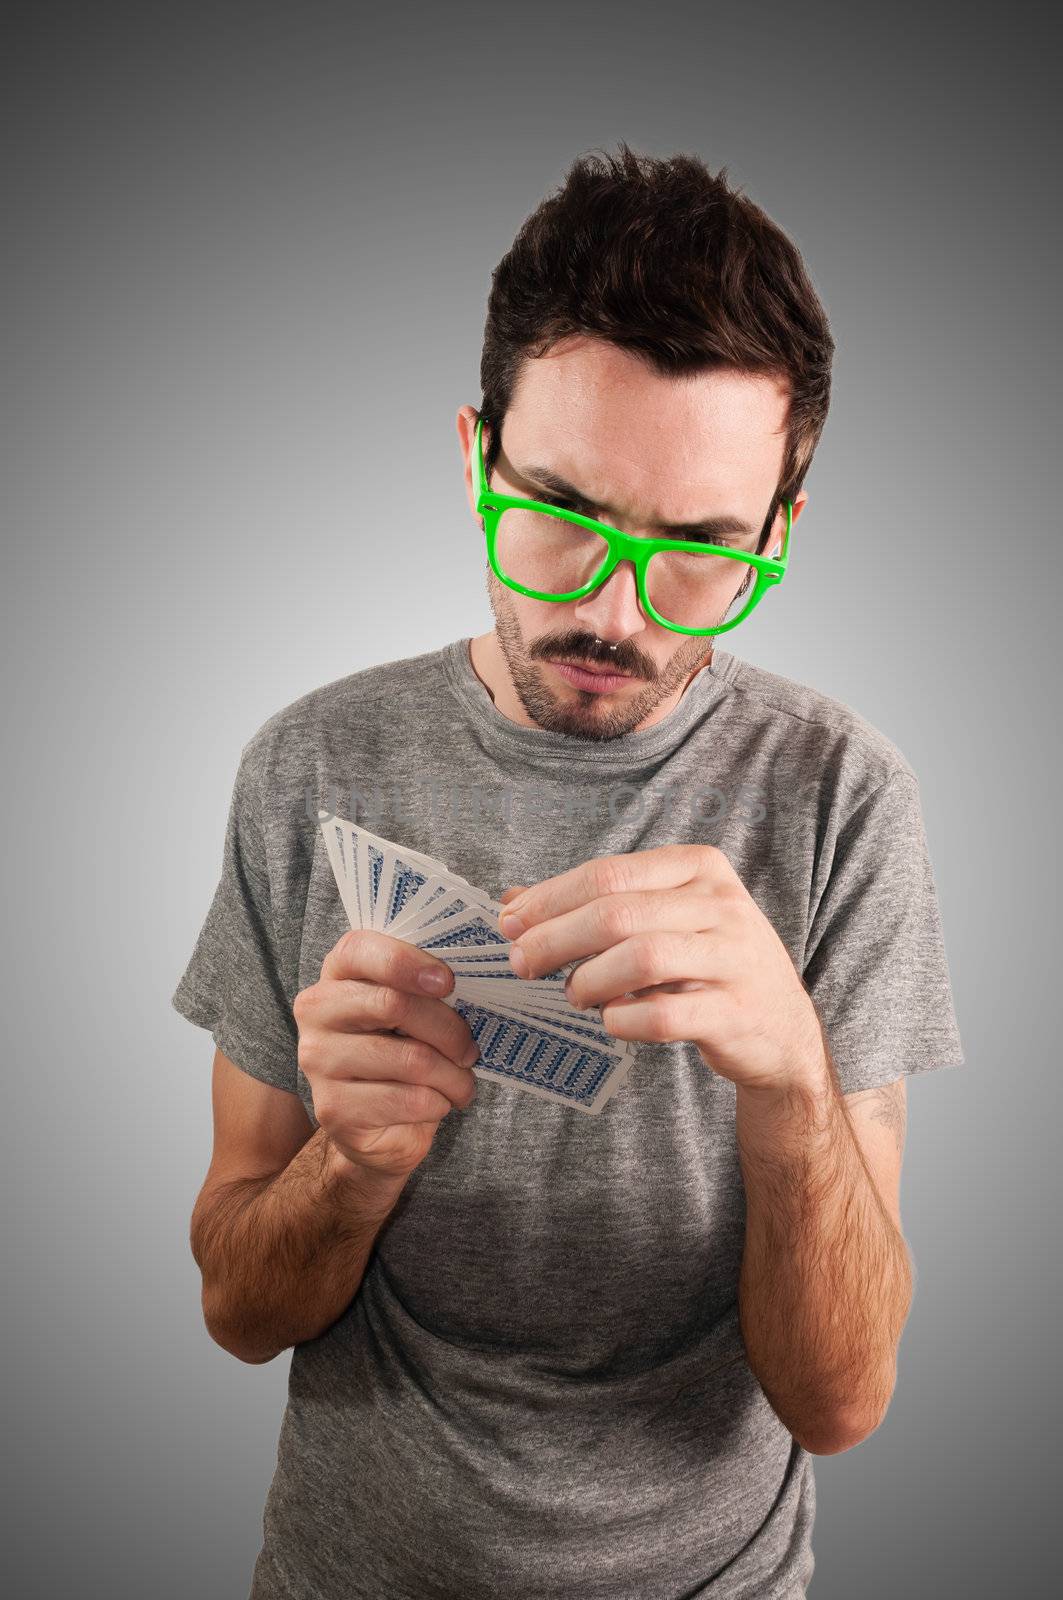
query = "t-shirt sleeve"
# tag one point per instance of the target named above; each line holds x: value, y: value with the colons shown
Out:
x: 875, y: 961
x: 233, y: 983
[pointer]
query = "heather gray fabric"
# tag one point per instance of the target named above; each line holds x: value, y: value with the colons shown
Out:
x: 541, y: 1388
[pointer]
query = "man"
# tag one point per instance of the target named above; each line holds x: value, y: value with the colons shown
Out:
x: 536, y: 1353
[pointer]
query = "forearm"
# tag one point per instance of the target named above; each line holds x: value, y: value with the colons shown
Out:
x: 825, y: 1284
x: 283, y: 1257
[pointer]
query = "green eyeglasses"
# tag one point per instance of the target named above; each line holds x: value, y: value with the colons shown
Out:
x: 550, y: 553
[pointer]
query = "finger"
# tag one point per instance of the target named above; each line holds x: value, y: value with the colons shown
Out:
x: 656, y: 958
x: 381, y: 958
x: 517, y: 888
x: 351, y: 1106
x: 353, y: 1061
x: 664, y: 867
x: 681, y: 986
x: 598, y: 924
x: 664, y: 1017
x: 347, y: 1005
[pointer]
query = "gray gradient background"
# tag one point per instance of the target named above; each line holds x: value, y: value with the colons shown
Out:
x: 251, y: 250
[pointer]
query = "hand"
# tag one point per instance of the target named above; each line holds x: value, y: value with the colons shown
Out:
x: 382, y: 1055
x: 675, y: 948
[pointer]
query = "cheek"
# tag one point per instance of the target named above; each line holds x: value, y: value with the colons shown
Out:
x: 690, y: 653
x: 525, y: 621
x: 515, y: 610
x: 542, y: 619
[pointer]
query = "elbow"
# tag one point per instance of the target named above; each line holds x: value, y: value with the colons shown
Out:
x: 235, y: 1343
x: 847, y: 1425
x: 834, y: 1435
x: 250, y: 1356
x: 256, y: 1360
x: 831, y: 1442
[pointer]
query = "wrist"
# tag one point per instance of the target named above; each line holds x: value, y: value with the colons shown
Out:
x: 807, y: 1094
x: 373, y: 1191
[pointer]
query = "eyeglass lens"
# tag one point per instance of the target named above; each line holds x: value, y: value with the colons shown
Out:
x: 693, y: 588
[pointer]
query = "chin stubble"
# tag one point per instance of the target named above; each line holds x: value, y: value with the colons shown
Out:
x: 580, y: 719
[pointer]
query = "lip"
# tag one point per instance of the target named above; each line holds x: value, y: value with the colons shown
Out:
x: 595, y: 682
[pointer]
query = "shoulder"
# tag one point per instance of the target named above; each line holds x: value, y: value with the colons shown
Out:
x: 831, y: 742
x: 346, y: 699
x: 340, y: 715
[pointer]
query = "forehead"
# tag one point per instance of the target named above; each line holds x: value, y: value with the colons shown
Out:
x: 603, y: 419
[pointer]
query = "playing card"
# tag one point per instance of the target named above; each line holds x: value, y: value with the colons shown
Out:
x: 368, y: 862
x: 435, y: 891
x: 529, y: 1034
x: 532, y: 1056
x: 511, y: 994
x: 439, y: 901
x: 580, y: 1024
x: 398, y: 881
x: 339, y: 846
x: 488, y: 961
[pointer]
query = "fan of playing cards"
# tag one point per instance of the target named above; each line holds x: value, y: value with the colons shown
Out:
x: 530, y: 1036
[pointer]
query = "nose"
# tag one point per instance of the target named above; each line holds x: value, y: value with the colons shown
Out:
x: 612, y: 610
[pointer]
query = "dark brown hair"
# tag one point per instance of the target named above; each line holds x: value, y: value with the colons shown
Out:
x: 662, y: 258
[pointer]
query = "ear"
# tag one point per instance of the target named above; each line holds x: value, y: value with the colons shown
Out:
x: 799, y: 506
x: 466, y: 423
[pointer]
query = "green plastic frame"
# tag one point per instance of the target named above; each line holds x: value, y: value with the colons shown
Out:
x: 622, y: 547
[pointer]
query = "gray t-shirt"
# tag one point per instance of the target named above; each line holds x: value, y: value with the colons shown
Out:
x: 541, y: 1388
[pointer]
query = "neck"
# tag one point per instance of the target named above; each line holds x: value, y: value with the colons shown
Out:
x: 490, y: 666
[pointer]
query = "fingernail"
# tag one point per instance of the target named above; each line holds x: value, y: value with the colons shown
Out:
x: 471, y: 1056
x: 518, y: 961
x: 510, y: 923
x: 432, y: 980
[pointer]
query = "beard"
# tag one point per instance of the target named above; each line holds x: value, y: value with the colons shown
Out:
x: 581, y: 713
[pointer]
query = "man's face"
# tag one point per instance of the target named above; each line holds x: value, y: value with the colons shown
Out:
x: 644, y: 451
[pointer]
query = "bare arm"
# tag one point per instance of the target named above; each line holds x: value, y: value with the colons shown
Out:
x: 283, y: 1256
x: 826, y: 1281
x: 287, y: 1218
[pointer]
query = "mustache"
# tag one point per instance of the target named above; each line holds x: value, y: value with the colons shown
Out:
x: 580, y: 648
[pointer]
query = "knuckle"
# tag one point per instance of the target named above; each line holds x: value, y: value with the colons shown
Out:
x: 707, y: 913
x: 310, y: 1054
x: 457, y: 1035
x: 416, y: 1057
x: 324, y: 1107
x: 398, y: 961
x: 419, y: 1104
x: 646, y: 956
x: 350, y: 949
x: 709, y: 860
x: 390, y: 1004
x: 666, y: 1016
x: 610, y: 875
x: 305, y: 1002
x: 617, y: 917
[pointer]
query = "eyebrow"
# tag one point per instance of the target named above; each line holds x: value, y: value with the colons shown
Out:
x: 554, y: 484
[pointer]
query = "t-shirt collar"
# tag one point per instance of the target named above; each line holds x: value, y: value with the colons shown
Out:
x: 643, y: 748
